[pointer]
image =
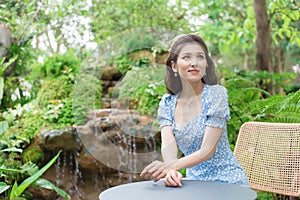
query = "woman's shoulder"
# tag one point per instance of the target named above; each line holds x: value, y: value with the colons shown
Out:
x: 217, y: 93
x: 217, y: 89
x: 167, y: 99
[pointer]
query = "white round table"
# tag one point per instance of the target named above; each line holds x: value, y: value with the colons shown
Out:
x: 190, y: 189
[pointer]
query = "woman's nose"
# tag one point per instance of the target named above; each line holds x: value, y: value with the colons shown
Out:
x: 193, y: 62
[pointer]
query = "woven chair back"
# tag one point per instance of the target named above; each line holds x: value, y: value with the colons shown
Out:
x: 270, y: 155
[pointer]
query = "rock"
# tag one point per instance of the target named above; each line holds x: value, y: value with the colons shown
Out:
x: 60, y: 139
x: 110, y: 149
x: 111, y: 74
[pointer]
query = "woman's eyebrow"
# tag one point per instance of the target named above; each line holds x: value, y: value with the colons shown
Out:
x: 189, y: 53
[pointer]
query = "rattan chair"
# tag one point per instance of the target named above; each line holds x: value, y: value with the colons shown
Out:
x: 270, y: 155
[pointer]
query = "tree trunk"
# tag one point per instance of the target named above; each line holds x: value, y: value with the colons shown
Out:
x: 263, y: 38
x: 5, y: 39
x: 279, y: 61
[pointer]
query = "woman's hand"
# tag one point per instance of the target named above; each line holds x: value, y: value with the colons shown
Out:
x: 157, y: 170
x: 173, y: 178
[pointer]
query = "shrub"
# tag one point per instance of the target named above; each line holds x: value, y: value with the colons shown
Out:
x: 55, y: 89
x: 145, y: 87
x: 87, y: 95
x: 249, y: 102
x: 60, y: 64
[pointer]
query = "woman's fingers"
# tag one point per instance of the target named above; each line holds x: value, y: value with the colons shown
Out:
x: 173, y: 179
x: 170, y: 182
x: 158, y: 174
x: 178, y: 178
x: 151, y: 168
x: 157, y: 170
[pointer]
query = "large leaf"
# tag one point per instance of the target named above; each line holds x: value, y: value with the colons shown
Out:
x: 13, y: 149
x: 20, y: 189
x: 5, y: 169
x: 43, y: 183
x: 12, y: 194
x: 3, y: 187
x: 3, y: 126
x: 1, y: 88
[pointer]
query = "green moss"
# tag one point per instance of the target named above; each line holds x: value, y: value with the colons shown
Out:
x: 34, y: 154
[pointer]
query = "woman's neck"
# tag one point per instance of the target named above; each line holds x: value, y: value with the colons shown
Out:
x: 191, y: 90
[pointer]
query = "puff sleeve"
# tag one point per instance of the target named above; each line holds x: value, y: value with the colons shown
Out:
x: 218, y: 111
x: 164, y: 113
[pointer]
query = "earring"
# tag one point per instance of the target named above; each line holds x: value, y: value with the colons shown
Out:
x: 205, y: 70
x: 175, y: 74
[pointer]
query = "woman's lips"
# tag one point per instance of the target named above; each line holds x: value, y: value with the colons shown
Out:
x: 193, y: 71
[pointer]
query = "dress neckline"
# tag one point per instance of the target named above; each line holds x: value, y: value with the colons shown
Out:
x: 183, y: 125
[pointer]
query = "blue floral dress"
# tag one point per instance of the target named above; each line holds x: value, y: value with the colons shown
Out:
x: 222, y: 166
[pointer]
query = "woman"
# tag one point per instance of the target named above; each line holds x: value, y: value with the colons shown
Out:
x: 193, y: 116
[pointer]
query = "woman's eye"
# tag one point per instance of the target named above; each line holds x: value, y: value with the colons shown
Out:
x: 186, y: 57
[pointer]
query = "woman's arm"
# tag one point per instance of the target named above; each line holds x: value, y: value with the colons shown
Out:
x: 210, y: 141
x: 169, y: 153
x: 168, y: 144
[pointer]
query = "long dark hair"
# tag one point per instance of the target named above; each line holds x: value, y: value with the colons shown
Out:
x: 172, y: 82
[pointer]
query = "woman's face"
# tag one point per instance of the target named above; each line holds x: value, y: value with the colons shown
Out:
x: 191, y: 63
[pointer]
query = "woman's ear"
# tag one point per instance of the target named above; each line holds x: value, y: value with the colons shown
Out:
x: 174, y: 67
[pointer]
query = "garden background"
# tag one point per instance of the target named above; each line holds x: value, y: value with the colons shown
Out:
x: 48, y: 46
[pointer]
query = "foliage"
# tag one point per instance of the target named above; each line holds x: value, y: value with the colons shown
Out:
x: 24, y: 123
x: 147, y: 97
x: 285, y: 15
x: 249, y: 102
x: 10, y: 159
x: 231, y: 32
x: 145, y: 87
x: 60, y: 112
x: 33, y: 154
x: 33, y: 177
x: 124, y: 63
x: 264, y: 195
x: 108, y: 16
x: 17, y: 90
x: 270, y: 81
x: 65, y: 64
x: 86, y: 96
x: 3, y: 127
x: 42, y: 20
x: 54, y: 90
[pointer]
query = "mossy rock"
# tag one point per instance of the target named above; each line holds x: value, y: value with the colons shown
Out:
x: 34, y: 154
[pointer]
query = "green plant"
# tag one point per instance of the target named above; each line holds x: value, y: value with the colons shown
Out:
x: 86, y: 96
x: 124, y: 63
x: 147, y: 97
x: 272, y: 82
x: 54, y: 89
x: 59, y: 114
x: 10, y: 159
x: 60, y: 64
x: 33, y: 154
x: 144, y: 86
x: 22, y: 131
x: 3, y: 66
x: 34, y: 178
x: 249, y: 102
